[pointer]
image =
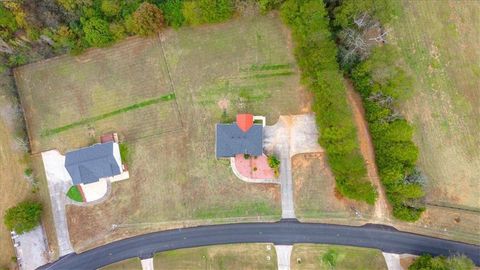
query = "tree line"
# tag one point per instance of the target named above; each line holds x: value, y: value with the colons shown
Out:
x: 35, y: 29
x: 381, y: 78
x: 316, y: 54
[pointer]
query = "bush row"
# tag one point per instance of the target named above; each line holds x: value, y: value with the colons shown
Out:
x: 316, y: 55
x: 382, y: 82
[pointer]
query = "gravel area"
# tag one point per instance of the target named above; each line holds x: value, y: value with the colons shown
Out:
x: 31, y: 248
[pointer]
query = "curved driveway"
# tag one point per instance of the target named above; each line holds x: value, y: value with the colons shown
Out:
x: 285, y: 232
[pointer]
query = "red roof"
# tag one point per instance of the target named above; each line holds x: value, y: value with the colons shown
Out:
x: 244, y: 121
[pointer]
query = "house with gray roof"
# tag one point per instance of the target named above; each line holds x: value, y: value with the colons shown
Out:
x: 240, y: 137
x: 90, y: 164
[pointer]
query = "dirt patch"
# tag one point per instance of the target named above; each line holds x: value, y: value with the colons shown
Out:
x: 315, y: 195
x: 223, y: 103
x: 382, y: 209
x: 406, y: 261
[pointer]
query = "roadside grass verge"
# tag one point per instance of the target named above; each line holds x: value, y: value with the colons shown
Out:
x: 93, y: 119
x: 310, y: 256
x: 235, y: 256
x: 128, y: 264
x: 255, y: 208
x: 316, y: 54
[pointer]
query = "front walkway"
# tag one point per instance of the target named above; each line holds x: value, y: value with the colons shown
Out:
x: 59, y: 181
x: 291, y: 135
x: 283, y: 256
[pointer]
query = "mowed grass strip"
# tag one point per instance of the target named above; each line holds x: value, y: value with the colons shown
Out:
x: 267, y: 75
x: 234, y: 256
x: 312, y: 256
x: 257, y: 67
x: 85, y: 121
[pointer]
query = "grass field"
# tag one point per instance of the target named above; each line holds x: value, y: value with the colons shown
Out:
x: 175, y: 180
x: 315, y: 196
x: 238, y: 256
x: 13, y: 163
x: 308, y: 256
x: 130, y: 264
x: 439, y: 42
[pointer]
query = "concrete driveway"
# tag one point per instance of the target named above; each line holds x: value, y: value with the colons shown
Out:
x: 59, y: 181
x: 31, y: 249
x: 291, y: 135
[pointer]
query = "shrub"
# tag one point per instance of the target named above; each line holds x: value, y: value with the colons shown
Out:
x: 383, y: 10
x: 266, y: 5
x: 147, y: 20
x: 75, y: 194
x: 191, y: 13
x: 427, y: 262
x: 124, y: 152
x: 110, y: 8
x: 273, y: 162
x: 172, y: 12
x: 8, y: 24
x: 97, y: 32
x: 24, y: 217
x: 118, y: 31
x: 28, y: 172
x: 330, y: 258
x: 17, y: 59
x: 207, y: 11
x: 316, y: 55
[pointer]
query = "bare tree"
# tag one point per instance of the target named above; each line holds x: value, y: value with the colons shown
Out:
x: 361, y: 19
x: 381, y: 37
x: 381, y: 99
x: 354, y: 45
x: 357, y: 41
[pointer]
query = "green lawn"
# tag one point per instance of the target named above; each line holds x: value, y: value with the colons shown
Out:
x: 238, y: 256
x: 307, y: 256
x: 75, y: 194
x: 439, y: 42
x: 175, y: 180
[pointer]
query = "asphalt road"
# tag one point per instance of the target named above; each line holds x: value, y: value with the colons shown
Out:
x: 286, y: 232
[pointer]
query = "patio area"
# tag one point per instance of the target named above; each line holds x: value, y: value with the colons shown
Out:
x: 253, y: 167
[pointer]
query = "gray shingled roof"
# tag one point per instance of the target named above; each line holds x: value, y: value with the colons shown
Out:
x: 89, y: 164
x: 231, y: 140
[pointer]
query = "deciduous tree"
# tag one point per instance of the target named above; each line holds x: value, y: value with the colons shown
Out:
x: 147, y: 19
x: 24, y: 217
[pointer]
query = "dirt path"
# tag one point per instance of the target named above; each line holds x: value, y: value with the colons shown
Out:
x: 366, y: 148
